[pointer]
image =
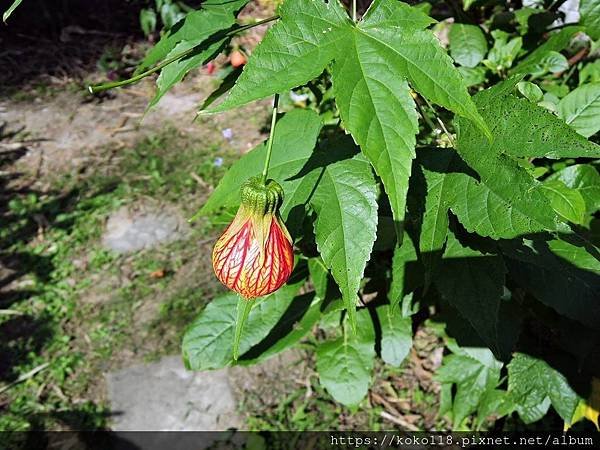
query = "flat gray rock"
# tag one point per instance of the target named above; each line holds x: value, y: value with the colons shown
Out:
x: 129, y: 230
x: 164, y: 396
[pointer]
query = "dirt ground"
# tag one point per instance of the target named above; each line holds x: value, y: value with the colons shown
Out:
x: 61, y: 147
x: 70, y: 130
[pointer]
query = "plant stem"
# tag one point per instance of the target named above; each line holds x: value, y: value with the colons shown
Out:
x: 107, y: 86
x: 354, y: 10
x: 440, y: 122
x: 265, y: 171
x: 426, y: 118
x: 243, y: 310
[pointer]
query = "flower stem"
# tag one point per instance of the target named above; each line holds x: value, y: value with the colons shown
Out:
x: 243, y: 310
x: 265, y: 171
x: 440, y: 122
x: 107, y: 86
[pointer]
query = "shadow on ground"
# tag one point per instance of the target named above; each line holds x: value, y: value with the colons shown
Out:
x: 24, y: 271
x: 43, y: 39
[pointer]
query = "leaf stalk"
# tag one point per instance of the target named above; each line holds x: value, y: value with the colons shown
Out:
x: 265, y: 171
x: 162, y: 65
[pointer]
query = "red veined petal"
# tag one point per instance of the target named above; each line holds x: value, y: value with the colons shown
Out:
x: 244, y: 265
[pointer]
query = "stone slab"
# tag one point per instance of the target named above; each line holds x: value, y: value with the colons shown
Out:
x: 164, y: 396
x: 129, y: 230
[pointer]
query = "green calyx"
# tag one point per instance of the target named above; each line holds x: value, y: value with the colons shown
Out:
x: 262, y: 197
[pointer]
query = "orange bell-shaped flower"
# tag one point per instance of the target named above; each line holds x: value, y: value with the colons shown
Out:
x: 254, y: 256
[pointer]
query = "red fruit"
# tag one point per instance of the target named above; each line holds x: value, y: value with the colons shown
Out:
x: 210, y: 68
x: 254, y: 256
x: 237, y: 59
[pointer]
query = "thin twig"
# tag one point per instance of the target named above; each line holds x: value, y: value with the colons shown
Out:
x: 392, y: 413
x: 24, y: 377
x: 10, y: 312
x: 440, y: 122
x: 398, y: 421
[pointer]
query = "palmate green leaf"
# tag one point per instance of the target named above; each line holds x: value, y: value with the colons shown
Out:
x: 506, y: 203
x: 441, y: 170
x: 475, y: 372
x: 474, y: 284
x: 345, y: 201
x: 576, y: 255
x: 345, y: 364
x: 494, y: 403
x: 417, y: 55
x: 523, y: 129
x: 295, y: 50
x: 396, y: 336
x: 196, y: 27
x: 295, y: 139
x: 567, y: 202
x: 590, y: 17
x: 375, y: 106
x: 201, y: 30
x: 399, y: 15
x: 468, y: 45
x: 504, y: 51
x: 581, y: 109
x: 208, y: 341
x: 533, y: 385
x: 586, y: 179
x: 557, y: 42
x: 174, y: 72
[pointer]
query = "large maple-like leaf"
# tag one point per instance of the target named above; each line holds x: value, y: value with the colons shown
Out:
x: 374, y: 61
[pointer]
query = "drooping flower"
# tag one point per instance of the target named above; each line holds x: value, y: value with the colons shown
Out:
x: 254, y: 256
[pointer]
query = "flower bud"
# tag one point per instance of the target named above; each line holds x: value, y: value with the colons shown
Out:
x: 254, y: 256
